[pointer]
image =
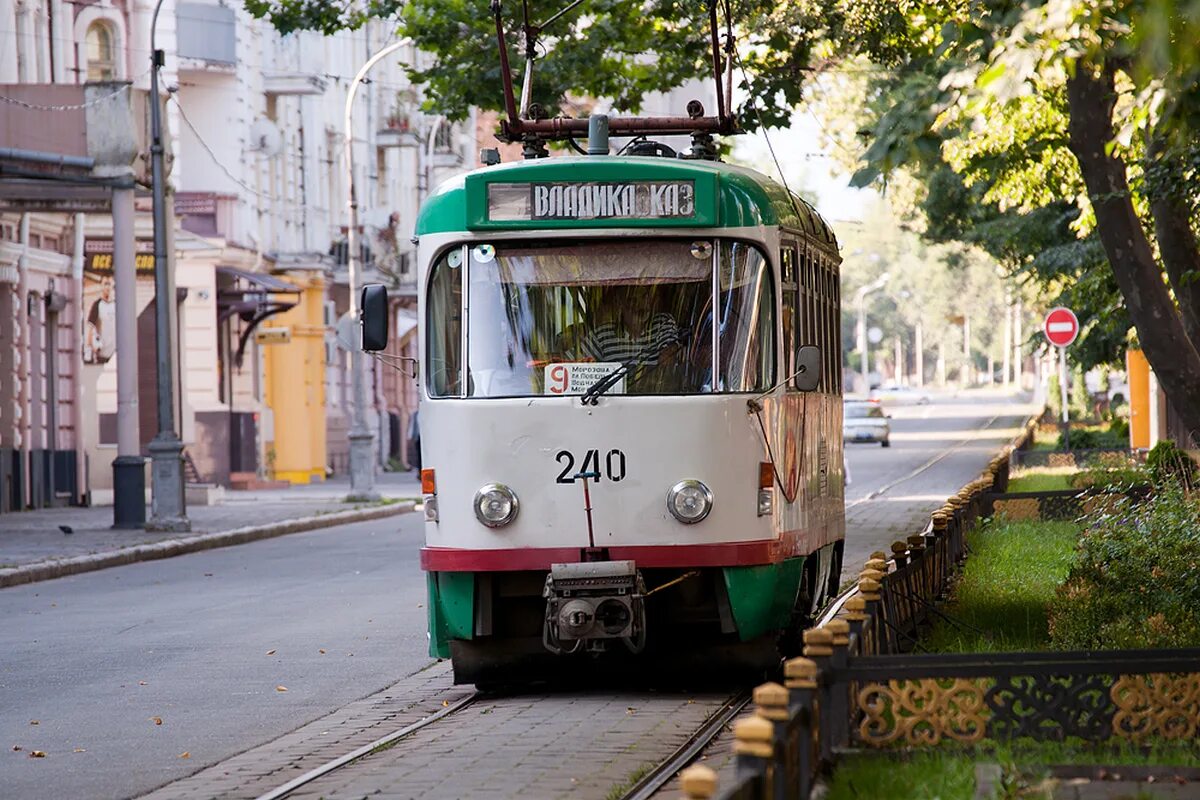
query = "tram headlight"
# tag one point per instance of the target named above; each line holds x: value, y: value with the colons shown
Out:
x: 689, y: 501
x: 496, y: 505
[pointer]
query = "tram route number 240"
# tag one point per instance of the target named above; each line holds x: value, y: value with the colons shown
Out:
x: 614, y: 465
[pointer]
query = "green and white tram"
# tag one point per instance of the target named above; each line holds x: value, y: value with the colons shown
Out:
x: 631, y: 414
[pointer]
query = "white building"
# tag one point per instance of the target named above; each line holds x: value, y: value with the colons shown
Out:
x: 258, y: 171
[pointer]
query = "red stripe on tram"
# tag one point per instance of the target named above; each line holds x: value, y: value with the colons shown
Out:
x: 724, y: 554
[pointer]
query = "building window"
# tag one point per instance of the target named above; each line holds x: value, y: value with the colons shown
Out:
x: 444, y: 139
x: 101, y: 58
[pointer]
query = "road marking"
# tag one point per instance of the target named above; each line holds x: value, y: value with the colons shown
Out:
x: 882, y: 489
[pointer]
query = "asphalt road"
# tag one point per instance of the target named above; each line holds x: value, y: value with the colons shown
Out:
x: 201, y: 642
x: 935, y: 449
x: 205, y: 642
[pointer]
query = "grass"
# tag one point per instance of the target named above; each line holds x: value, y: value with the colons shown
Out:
x: 1041, y: 479
x: 948, y: 773
x: 1000, y: 600
x: 928, y: 775
x: 621, y: 789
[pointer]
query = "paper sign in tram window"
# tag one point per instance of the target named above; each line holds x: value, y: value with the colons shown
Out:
x: 570, y: 377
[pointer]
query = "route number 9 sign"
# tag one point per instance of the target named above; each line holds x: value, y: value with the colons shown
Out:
x: 570, y: 377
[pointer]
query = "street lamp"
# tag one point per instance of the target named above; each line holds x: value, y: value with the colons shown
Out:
x: 362, y: 460
x: 859, y: 298
x: 168, y: 511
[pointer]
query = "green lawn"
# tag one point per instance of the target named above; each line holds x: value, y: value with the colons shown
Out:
x: 999, y: 603
x: 948, y: 773
x: 1041, y: 479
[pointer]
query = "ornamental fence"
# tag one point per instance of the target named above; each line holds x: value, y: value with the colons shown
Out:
x: 1082, y: 458
x: 859, y: 686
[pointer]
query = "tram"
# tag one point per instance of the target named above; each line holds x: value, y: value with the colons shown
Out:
x: 631, y: 414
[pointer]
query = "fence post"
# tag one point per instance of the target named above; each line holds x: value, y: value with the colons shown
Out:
x: 772, y: 702
x: 839, y: 687
x: 855, y: 615
x: 800, y: 678
x: 868, y: 589
x: 944, y: 548
x: 818, y: 645
x: 698, y: 782
x: 884, y: 633
x: 752, y: 745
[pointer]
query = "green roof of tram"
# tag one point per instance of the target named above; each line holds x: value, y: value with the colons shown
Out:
x: 744, y: 198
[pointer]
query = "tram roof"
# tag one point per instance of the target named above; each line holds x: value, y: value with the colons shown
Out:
x: 726, y: 196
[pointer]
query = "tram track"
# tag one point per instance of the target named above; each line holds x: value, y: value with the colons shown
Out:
x: 384, y: 741
x: 645, y: 787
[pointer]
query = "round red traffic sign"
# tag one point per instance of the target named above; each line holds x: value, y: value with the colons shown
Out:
x: 1061, y: 326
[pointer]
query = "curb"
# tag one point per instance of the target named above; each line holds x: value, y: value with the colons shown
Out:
x: 46, y: 570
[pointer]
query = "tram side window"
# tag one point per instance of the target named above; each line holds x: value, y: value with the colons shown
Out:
x: 747, y: 321
x: 444, y: 317
x: 835, y: 344
x: 790, y: 303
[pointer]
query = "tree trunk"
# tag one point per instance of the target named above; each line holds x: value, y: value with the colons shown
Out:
x: 1177, y: 247
x: 1160, y: 327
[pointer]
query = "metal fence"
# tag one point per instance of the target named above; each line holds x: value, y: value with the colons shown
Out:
x: 858, y: 685
x: 1082, y: 459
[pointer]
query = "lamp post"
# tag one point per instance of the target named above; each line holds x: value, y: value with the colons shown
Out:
x: 168, y: 511
x: 362, y: 460
x: 860, y: 298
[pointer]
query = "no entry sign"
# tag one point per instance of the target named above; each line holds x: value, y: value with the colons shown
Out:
x: 1061, y: 326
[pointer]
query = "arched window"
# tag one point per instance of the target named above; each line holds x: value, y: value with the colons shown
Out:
x: 101, y: 58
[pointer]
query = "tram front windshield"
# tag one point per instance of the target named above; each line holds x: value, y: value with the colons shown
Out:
x: 553, y: 318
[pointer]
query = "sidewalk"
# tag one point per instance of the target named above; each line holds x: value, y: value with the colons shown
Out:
x: 52, y: 542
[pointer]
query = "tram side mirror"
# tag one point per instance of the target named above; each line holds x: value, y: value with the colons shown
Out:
x: 808, y: 367
x: 373, y: 312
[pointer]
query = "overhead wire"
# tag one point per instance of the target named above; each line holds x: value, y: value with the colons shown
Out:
x: 229, y: 173
x: 69, y: 106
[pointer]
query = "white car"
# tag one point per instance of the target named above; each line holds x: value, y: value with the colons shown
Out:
x: 897, y: 394
x: 865, y: 422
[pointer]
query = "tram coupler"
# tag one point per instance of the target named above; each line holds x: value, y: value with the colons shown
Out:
x: 594, y: 554
x: 591, y: 603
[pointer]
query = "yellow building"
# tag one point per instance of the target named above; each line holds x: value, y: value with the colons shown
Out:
x: 294, y: 378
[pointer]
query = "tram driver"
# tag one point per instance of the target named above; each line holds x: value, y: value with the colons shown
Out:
x: 633, y: 329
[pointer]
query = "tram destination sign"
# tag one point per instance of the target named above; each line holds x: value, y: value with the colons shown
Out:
x: 591, y: 200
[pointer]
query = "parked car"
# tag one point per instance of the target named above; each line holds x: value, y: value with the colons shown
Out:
x: 899, y: 395
x: 865, y: 422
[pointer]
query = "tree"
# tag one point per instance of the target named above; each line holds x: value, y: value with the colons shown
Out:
x: 1037, y: 104
x: 1055, y: 107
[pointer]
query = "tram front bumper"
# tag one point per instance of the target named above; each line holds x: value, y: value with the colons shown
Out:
x: 589, y: 604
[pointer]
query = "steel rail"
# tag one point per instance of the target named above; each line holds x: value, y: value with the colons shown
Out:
x: 330, y: 766
x: 654, y: 780
x: 687, y: 752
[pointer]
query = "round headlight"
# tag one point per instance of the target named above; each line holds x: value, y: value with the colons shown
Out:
x: 689, y: 501
x: 496, y: 505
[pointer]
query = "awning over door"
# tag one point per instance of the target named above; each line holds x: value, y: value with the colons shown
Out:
x: 253, y: 297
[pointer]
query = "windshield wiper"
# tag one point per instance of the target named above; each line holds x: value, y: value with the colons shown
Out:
x: 610, y: 380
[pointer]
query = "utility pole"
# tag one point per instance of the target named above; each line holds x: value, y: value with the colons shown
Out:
x: 919, y: 354
x: 129, y: 467
x: 860, y: 299
x: 362, y: 441
x: 168, y: 510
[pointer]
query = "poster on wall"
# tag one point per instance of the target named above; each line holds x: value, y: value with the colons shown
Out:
x: 100, y: 296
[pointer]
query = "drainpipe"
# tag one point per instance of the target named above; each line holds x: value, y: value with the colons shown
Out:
x: 77, y: 361
x: 25, y: 365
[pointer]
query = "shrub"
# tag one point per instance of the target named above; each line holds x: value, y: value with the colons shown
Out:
x: 1115, y: 476
x: 1135, y: 579
x: 1170, y: 464
x: 1093, y: 439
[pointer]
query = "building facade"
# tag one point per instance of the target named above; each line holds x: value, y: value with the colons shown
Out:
x: 259, y: 188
